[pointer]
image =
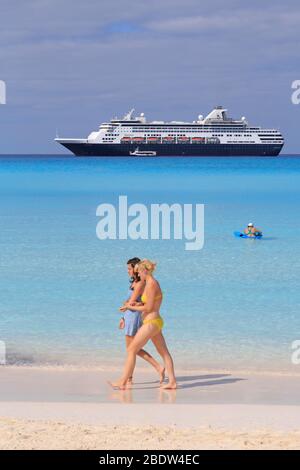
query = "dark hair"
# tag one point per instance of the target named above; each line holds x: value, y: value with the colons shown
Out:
x: 133, y: 262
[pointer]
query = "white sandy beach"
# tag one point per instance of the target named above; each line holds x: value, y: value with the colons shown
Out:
x: 69, y: 408
x: 20, y: 434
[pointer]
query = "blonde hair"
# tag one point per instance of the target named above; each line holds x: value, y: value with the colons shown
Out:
x: 146, y: 264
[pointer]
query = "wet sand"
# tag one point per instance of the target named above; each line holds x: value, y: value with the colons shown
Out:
x: 59, y: 407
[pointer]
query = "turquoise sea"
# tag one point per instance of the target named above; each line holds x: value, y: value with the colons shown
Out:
x: 233, y: 304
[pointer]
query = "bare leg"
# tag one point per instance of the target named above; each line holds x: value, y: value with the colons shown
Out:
x: 157, y: 366
x: 148, y: 358
x: 128, y: 341
x: 140, y: 339
x: 159, y: 342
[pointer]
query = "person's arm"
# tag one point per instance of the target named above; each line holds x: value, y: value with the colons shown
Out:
x: 136, y: 293
x: 147, y: 307
x: 123, y: 307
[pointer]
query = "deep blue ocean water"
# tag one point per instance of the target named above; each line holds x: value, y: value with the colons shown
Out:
x: 235, y: 303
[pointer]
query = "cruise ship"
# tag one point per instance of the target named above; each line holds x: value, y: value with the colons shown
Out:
x: 213, y: 135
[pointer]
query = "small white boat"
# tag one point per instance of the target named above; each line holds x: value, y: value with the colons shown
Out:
x: 143, y: 153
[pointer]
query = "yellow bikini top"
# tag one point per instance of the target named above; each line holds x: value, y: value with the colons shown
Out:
x: 157, y: 297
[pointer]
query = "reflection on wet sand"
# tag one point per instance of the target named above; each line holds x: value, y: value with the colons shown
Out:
x: 127, y: 396
x: 123, y: 396
x: 151, y: 391
x: 167, y: 396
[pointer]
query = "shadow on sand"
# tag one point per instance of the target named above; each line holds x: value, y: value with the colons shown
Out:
x: 206, y: 383
x: 183, y: 382
x: 189, y: 378
x: 192, y: 381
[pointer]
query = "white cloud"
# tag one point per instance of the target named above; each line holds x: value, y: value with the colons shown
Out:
x: 245, y: 20
x: 195, y: 24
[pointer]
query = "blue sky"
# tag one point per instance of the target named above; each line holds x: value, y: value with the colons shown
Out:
x: 69, y: 65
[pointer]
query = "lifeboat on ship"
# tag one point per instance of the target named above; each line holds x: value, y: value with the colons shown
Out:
x: 183, y: 139
x: 168, y: 140
x: 198, y: 140
x: 138, y: 140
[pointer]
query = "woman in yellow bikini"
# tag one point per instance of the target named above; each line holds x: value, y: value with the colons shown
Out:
x: 150, y: 329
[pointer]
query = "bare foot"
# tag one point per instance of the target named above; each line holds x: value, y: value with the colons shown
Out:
x: 117, y: 385
x: 161, y: 373
x: 169, y: 386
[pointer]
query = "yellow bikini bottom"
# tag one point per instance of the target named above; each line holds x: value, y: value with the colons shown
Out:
x: 158, y: 321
